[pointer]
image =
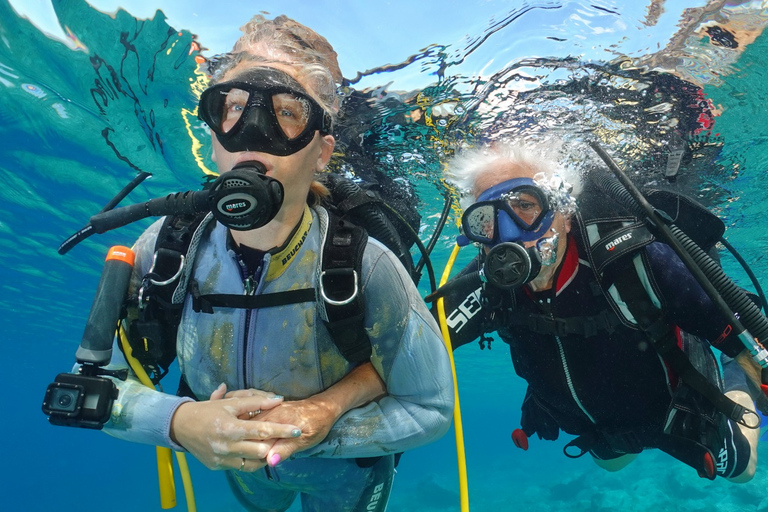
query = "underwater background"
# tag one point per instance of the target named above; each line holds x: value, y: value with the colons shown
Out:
x: 111, y: 94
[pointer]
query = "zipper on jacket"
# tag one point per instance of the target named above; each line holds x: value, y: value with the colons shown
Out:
x: 548, y: 308
x: 249, y: 288
x: 570, y: 381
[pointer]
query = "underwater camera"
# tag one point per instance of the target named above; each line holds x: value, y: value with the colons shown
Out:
x: 85, y: 399
x: 73, y: 400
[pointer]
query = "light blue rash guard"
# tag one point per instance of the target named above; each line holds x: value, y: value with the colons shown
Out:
x: 288, y: 350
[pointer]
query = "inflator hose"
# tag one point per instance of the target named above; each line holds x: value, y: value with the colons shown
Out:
x: 749, y: 314
x: 376, y: 223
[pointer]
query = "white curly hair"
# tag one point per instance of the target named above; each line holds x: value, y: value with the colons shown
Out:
x: 474, y: 170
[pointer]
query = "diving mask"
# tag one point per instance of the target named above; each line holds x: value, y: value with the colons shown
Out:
x: 263, y: 110
x: 515, y: 210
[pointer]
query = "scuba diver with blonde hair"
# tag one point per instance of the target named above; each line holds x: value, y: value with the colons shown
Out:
x: 309, y: 361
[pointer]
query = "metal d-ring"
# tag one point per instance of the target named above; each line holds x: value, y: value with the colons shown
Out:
x: 172, y: 279
x: 337, y: 302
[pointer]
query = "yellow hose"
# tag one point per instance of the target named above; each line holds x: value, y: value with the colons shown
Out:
x: 164, y: 460
x: 458, y: 428
x: 186, y: 480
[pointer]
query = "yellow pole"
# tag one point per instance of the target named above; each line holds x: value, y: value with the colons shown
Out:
x: 458, y: 428
x: 165, y: 477
x: 164, y: 459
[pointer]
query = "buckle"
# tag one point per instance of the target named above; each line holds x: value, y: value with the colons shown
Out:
x: 169, y: 280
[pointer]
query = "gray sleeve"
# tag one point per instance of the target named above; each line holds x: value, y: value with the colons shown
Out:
x: 411, y: 358
x: 141, y: 414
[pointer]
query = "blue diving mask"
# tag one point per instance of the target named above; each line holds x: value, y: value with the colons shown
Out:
x: 264, y: 110
x: 515, y: 210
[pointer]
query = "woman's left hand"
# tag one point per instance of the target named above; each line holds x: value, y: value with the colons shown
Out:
x: 314, y: 416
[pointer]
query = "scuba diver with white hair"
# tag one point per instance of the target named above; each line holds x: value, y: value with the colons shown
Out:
x: 611, y: 332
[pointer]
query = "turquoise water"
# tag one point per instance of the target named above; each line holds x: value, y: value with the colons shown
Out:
x: 79, y: 118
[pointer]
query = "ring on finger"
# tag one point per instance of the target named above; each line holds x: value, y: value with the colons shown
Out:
x: 251, y: 414
x: 242, y: 464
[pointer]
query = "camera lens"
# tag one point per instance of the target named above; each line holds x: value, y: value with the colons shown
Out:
x: 64, y: 399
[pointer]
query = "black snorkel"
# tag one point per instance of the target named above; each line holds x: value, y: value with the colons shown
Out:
x: 751, y: 325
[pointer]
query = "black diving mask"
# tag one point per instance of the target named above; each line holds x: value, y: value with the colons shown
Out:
x: 264, y: 110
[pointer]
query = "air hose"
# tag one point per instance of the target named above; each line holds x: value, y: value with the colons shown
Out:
x: 724, y: 293
x: 351, y: 199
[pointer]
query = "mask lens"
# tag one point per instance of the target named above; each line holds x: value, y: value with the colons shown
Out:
x: 527, y: 207
x: 292, y: 113
x: 220, y: 107
x: 479, y: 222
x: 231, y: 108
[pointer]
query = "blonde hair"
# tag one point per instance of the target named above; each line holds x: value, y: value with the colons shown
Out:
x: 289, y: 42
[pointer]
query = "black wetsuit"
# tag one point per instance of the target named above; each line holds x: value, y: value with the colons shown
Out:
x: 607, y: 377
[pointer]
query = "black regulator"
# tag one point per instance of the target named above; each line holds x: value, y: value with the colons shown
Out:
x: 509, y: 265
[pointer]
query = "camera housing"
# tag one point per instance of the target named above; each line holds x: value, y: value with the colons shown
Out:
x: 79, y: 401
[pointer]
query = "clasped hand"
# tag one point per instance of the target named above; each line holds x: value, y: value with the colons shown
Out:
x: 246, y: 429
x: 219, y: 434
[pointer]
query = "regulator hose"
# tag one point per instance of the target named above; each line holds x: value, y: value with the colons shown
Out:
x: 359, y: 204
x: 737, y: 300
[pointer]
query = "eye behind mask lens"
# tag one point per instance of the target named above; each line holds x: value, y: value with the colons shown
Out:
x: 262, y: 113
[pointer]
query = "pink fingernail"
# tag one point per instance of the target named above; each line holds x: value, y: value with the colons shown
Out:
x: 275, y: 459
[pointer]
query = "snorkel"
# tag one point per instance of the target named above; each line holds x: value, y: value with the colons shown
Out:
x: 750, y: 325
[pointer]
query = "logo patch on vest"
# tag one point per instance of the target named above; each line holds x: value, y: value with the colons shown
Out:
x: 616, y: 241
x: 295, y: 249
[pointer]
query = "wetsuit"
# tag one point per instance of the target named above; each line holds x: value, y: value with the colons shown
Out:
x: 288, y: 350
x: 597, y: 375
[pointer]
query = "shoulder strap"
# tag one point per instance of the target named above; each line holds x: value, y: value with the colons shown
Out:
x: 340, y: 286
x: 152, y: 332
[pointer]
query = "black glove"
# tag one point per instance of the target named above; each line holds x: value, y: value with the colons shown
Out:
x: 536, y: 419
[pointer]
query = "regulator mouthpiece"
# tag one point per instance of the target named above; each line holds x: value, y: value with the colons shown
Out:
x: 246, y: 198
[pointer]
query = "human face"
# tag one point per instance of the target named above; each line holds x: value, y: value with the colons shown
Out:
x: 514, y: 210
x: 296, y: 170
x: 528, y: 208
